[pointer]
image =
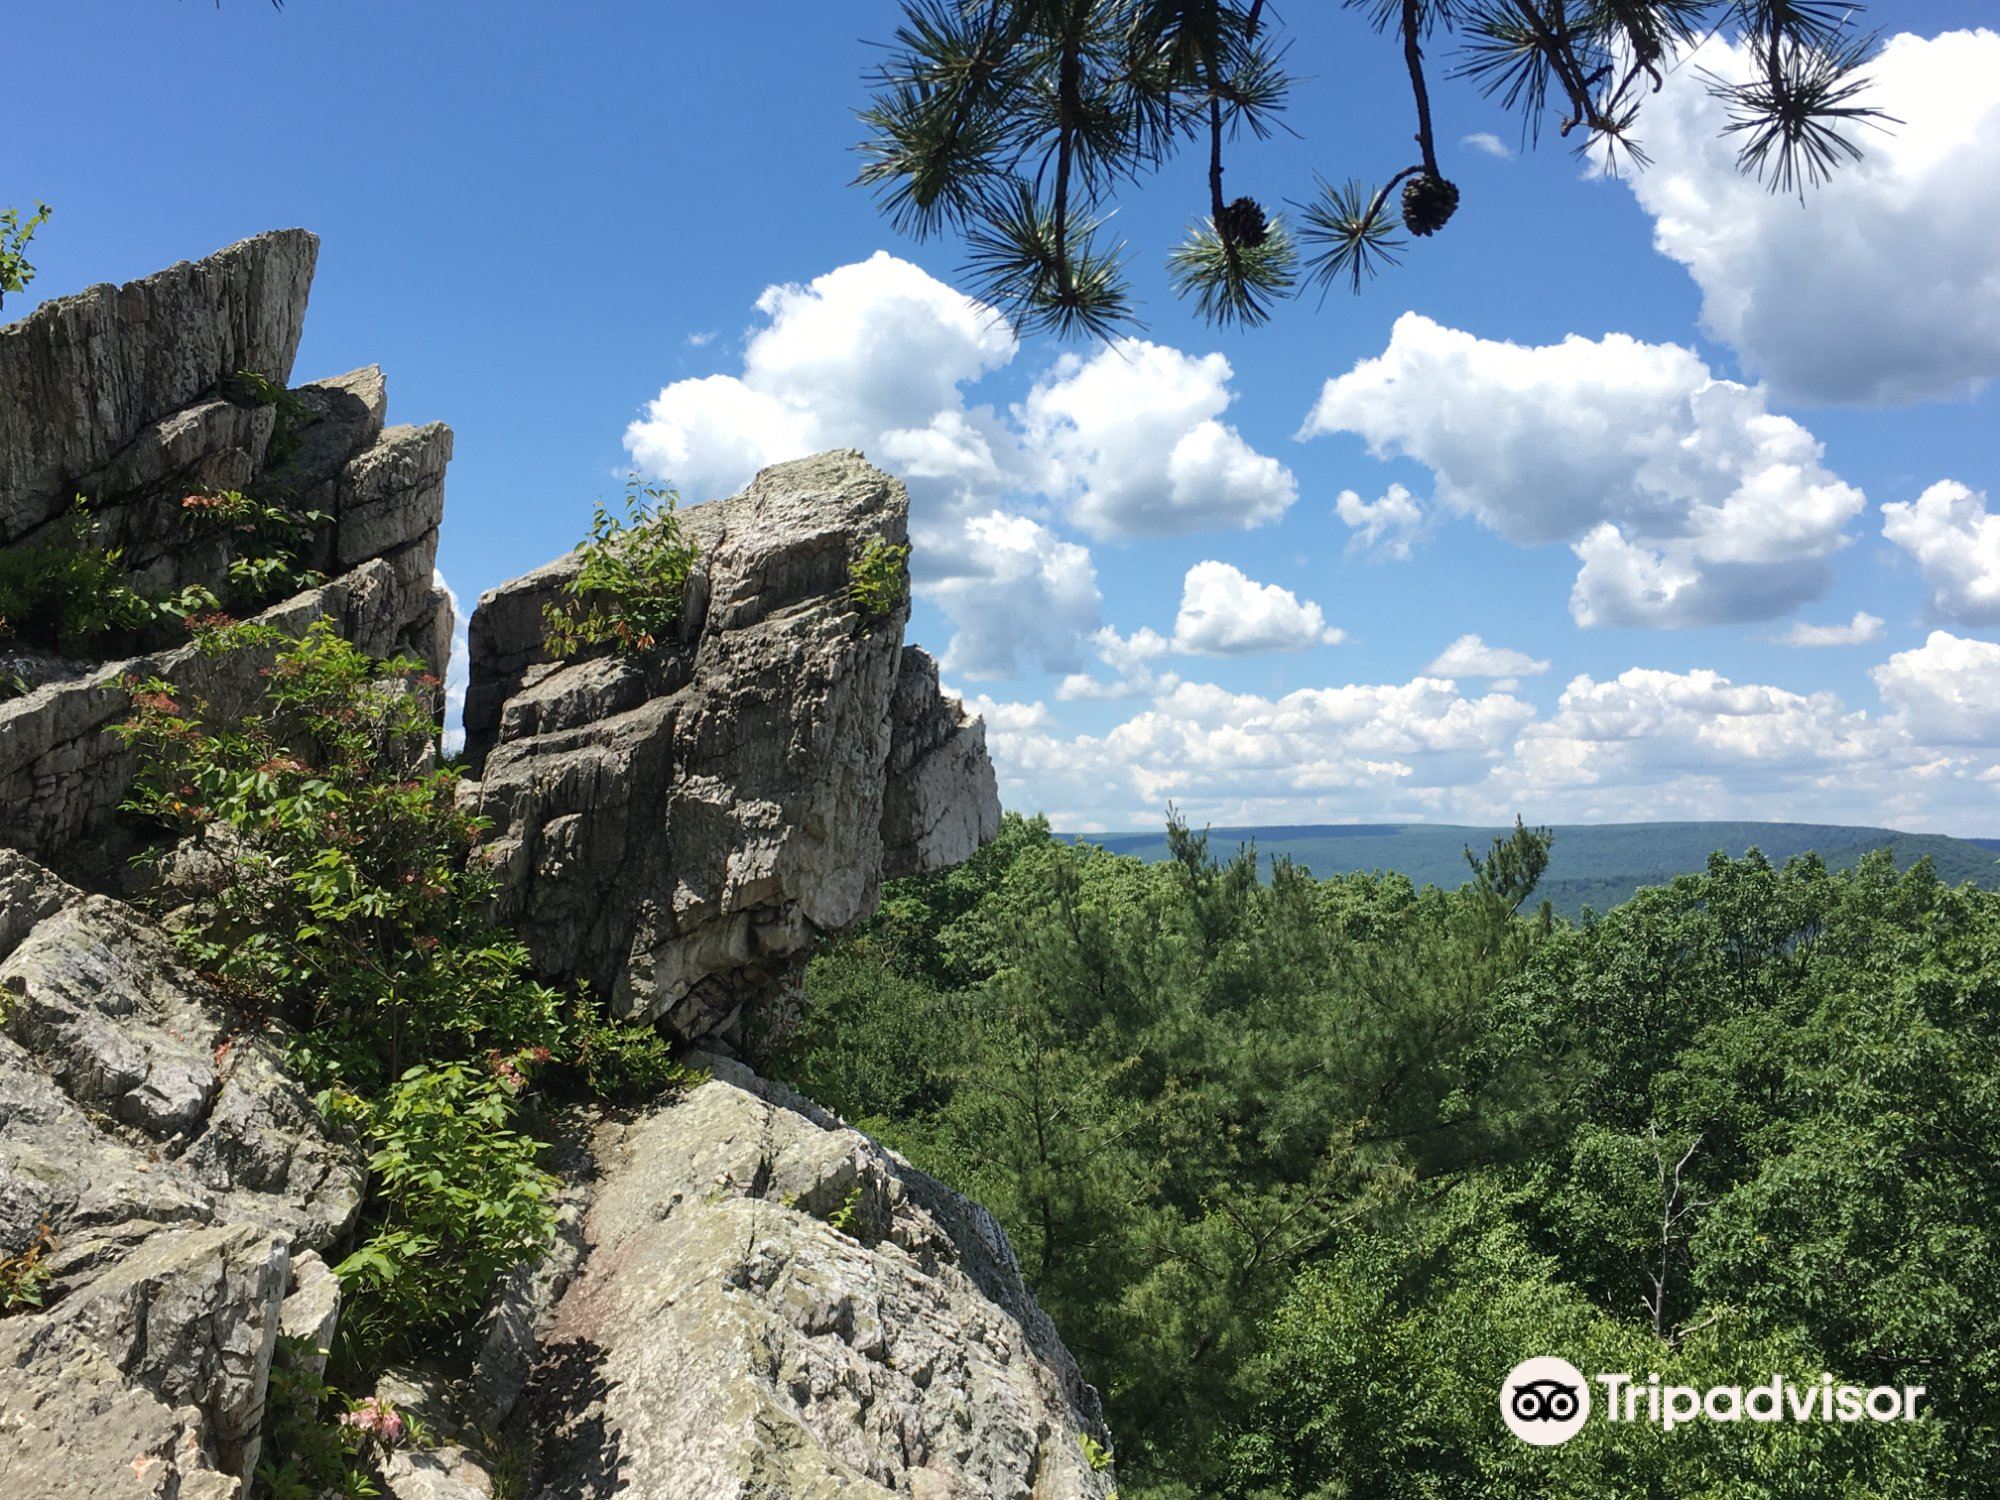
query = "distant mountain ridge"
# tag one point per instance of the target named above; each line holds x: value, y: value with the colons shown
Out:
x: 1597, y: 865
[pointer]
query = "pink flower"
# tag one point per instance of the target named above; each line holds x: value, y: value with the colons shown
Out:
x: 376, y: 1418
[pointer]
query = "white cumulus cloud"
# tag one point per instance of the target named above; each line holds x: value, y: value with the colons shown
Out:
x: 1946, y: 691
x: 1137, y: 447
x: 1955, y: 540
x: 1489, y: 144
x: 1021, y: 596
x: 1862, y: 629
x: 1880, y: 287
x: 1642, y: 744
x: 1687, y: 501
x: 1226, y: 613
x: 1469, y: 656
x: 1388, y: 526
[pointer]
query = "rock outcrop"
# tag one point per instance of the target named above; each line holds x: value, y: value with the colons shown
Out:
x: 772, y: 1305
x: 113, y: 381
x: 133, y: 398
x: 747, y: 1299
x: 678, y: 832
x: 184, y: 1184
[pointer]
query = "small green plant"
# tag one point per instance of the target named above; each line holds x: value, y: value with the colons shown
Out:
x: 68, y: 592
x: 877, y: 579
x: 15, y: 272
x: 276, y: 535
x: 1096, y: 1454
x: 458, y: 1200
x: 632, y: 583
x: 65, y: 591
x: 24, y: 1277
x: 842, y: 1218
x: 623, y: 1062
x: 310, y: 1449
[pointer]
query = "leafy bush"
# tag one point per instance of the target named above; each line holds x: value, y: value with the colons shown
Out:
x: 621, y: 1062
x: 632, y: 583
x: 65, y: 591
x: 344, y: 897
x: 335, y: 883
x: 15, y: 272
x: 309, y: 1452
x: 457, y: 1200
x: 878, y: 577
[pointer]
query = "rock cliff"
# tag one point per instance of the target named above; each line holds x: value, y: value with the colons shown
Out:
x: 748, y: 1298
x: 678, y: 832
x: 133, y: 398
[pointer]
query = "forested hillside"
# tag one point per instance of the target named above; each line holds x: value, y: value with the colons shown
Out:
x: 1590, y: 865
x: 1302, y: 1167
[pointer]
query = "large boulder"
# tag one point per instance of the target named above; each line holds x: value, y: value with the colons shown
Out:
x: 774, y: 1306
x: 679, y: 829
x: 83, y: 376
x: 174, y: 1182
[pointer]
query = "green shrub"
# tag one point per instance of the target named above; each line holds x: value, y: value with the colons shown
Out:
x: 15, y: 272
x: 622, y: 1062
x: 878, y: 577
x: 629, y: 591
x: 66, y: 591
x: 343, y: 894
x: 457, y: 1201
x: 343, y: 897
x: 308, y: 1452
x: 334, y: 882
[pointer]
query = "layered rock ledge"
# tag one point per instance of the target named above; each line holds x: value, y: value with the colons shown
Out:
x: 117, y: 395
x: 185, y: 1183
x: 679, y: 831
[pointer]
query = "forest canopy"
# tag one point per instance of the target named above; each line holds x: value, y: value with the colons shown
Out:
x: 1303, y: 1167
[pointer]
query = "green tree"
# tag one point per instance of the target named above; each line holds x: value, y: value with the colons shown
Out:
x: 1016, y: 123
x: 1175, y: 1084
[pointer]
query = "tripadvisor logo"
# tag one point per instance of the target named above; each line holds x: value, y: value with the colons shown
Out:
x: 1546, y: 1401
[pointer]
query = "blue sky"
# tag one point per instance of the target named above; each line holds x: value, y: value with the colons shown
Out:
x: 550, y: 223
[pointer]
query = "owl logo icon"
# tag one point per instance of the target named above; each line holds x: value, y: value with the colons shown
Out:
x: 1545, y: 1401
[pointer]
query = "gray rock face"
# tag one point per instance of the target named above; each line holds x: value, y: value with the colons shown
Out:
x: 177, y: 1171
x: 775, y: 1306
x: 82, y: 376
x: 116, y: 394
x: 941, y: 800
x: 679, y: 831
x: 62, y: 775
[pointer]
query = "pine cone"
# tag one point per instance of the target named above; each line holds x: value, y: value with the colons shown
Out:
x: 1428, y: 204
x: 1242, y: 223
